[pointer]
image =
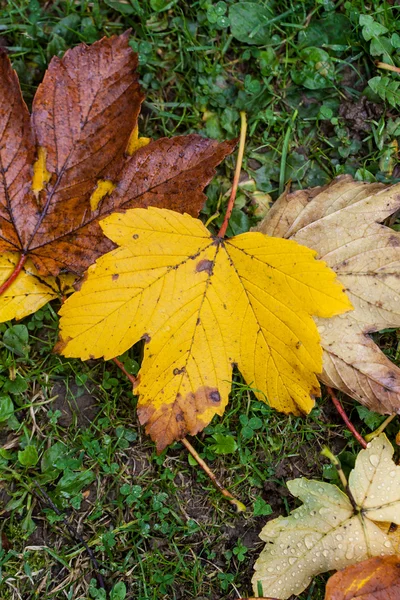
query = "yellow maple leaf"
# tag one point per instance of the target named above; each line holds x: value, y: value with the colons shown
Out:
x: 29, y: 291
x: 203, y: 304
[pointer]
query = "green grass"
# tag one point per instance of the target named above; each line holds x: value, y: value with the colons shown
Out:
x: 155, y: 522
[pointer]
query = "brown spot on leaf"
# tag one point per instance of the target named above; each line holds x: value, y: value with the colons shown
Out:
x: 179, y: 371
x: 205, y: 265
x: 146, y: 338
x: 115, y: 276
x: 215, y: 396
x: 394, y: 240
x: 135, y: 236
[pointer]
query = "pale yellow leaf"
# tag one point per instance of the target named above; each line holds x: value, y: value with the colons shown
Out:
x: 202, y: 304
x: 342, y: 223
x: 329, y: 532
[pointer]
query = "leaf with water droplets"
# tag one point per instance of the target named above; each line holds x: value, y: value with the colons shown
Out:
x: 332, y: 530
x: 342, y: 222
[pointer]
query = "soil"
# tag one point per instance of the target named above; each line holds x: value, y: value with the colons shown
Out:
x: 358, y: 115
x: 73, y: 403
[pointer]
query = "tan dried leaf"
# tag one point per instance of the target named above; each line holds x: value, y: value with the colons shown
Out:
x: 342, y: 222
x: 332, y: 530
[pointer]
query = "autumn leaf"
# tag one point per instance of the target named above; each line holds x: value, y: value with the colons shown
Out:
x: 342, y: 222
x: 373, y: 579
x: 29, y: 291
x: 202, y: 304
x: 79, y: 157
x: 332, y: 530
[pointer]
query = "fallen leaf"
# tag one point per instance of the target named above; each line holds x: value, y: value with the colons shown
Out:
x: 342, y: 223
x: 373, y: 579
x: 202, y: 304
x: 332, y: 530
x: 79, y: 158
x: 29, y: 291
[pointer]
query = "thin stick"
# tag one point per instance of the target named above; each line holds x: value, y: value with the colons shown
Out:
x: 231, y: 202
x: 382, y: 427
x: 74, y: 534
x: 387, y: 67
x: 240, y: 507
x: 17, y: 270
x: 345, y: 418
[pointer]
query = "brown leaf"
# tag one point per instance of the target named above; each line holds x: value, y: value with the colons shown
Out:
x: 17, y: 152
x: 373, y: 579
x: 167, y: 173
x: 83, y: 116
x: 342, y: 223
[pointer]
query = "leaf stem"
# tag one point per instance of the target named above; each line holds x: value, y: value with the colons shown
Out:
x: 119, y: 364
x: 382, y: 65
x: 370, y: 436
x: 345, y: 418
x: 236, y: 177
x: 239, y: 506
x: 336, y: 463
x: 17, y: 270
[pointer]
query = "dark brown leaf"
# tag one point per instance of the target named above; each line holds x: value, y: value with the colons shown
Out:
x: 83, y: 115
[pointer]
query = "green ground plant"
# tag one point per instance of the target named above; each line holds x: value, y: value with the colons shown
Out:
x: 317, y: 107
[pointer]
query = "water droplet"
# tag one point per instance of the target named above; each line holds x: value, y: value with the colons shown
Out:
x: 350, y: 553
x: 309, y: 541
x: 339, y: 537
x: 270, y: 569
x: 392, y: 473
x: 374, y: 460
x: 292, y: 560
x: 325, y: 552
x: 387, y: 544
x: 340, y: 546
